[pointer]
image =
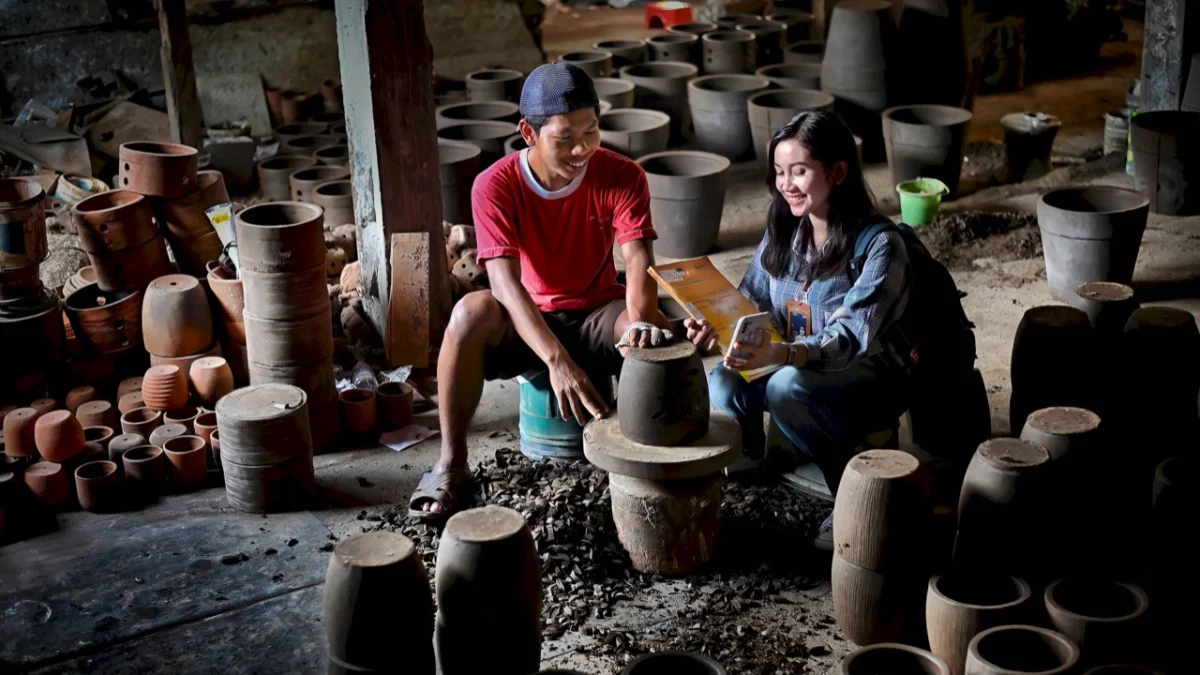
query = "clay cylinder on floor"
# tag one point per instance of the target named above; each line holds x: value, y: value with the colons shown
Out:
x: 770, y: 110
x: 719, y: 112
x: 280, y: 237
x: 176, y: 318
x: 872, y: 606
x: 728, y: 52
x: 333, y: 155
x: 1028, y: 140
x: 662, y: 397
x: 305, y: 181
x: 676, y: 47
x: 1166, y: 160
x: 633, y: 132
x: 881, y: 517
x: 273, y: 174
x: 961, y: 605
x: 1108, y: 306
x: 1011, y: 650
x: 495, y: 84
x: 805, y: 51
x: 489, y: 594
x: 669, y: 527
x: 595, y: 63
x: 275, y: 488
x: 378, y: 611
x: 663, y: 87
x: 266, y: 447
x: 1106, y: 619
x: 1051, y: 362
x: 395, y: 401
x: 315, y: 378
x: 22, y: 224
x: 893, y: 658
x: 157, y: 169
x: 458, y: 164
x: 926, y: 141
x: 687, y: 195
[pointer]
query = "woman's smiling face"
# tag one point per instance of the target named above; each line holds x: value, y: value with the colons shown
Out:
x: 804, y: 182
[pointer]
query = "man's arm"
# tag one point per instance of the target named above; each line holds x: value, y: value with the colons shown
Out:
x: 641, y: 292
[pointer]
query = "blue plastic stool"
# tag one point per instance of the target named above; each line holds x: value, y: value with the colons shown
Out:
x: 544, y: 433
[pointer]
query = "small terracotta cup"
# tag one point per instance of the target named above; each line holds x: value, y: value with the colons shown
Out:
x: 145, y: 469
x: 214, y: 442
x: 128, y: 386
x: 205, y: 426
x: 44, y: 405
x: 131, y: 401
x: 80, y: 395
x: 122, y: 444
x: 211, y: 379
x: 97, y: 414
x: 141, y: 421
x: 186, y: 416
x: 358, y: 410
x: 99, y: 436
x: 98, y: 485
x: 166, y: 432
x: 18, y: 432
x: 59, y: 436
x: 189, y: 462
x: 49, y: 483
x: 395, y: 404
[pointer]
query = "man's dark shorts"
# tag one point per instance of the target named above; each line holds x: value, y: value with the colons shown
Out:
x: 586, y: 334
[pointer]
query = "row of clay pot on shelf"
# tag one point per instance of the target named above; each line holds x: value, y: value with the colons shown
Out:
x: 300, y: 178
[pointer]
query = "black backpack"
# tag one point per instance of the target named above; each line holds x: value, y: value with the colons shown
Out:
x: 949, y: 409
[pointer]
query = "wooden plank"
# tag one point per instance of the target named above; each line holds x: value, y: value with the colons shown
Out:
x: 408, y: 319
x: 237, y: 97
x: 128, y: 122
x: 179, y: 75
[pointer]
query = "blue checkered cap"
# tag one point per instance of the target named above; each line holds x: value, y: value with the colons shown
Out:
x: 556, y: 89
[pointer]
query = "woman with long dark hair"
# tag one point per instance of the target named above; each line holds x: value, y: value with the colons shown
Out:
x: 844, y: 370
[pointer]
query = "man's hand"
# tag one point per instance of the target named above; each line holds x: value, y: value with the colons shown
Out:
x: 642, y: 334
x: 773, y: 354
x: 574, y: 391
x: 702, y: 334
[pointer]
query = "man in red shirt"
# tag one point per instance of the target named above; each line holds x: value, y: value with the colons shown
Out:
x: 546, y: 219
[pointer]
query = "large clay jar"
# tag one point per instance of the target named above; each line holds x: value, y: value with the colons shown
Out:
x: 1166, y: 160
x: 176, y: 318
x: 395, y: 404
x: 377, y: 605
x: 23, y: 221
x: 1002, y: 509
x: 728, y: 52
x: 98, y: 485
x: 1090, y: 233
x: 19, y: 425
x: 105, y: 323
x: 458, y: 164
x: 1108, y: 306
x: 961, y: 605
x: 719, y: 112
x: 934, y: 50
x: 595, y: 63
x: 141, y: 421
x: 487, y: 135
x: 858, y: 64
x: 119, y: 445
x: 661, y: 663
x: 926, y: 141
x: 489, y: 594
x: 165, y: 388
x: 1021, y: 650
x: 187, y: 458
x: 687, y: 195
x: 881, y: 517
x: 59, y: 436
x: 454, y: 113
x: 1106, y: 619
x: 158, y: 169
x: 872, y: 606
x: 1051, y: 362
x: 97, y: 414
x: 893, y: 658
x: 273, y: 174
x: 663, y: 395
x: 663, y: 87
x: 337, y: 198
x: 211, y: 379
x: 495, y: 84
x: 633, y: 132
x: 280, y: 237
x: 49, y: 483
x: 770, y: 110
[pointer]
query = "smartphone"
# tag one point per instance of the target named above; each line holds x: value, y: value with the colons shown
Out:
x: 753, y: 331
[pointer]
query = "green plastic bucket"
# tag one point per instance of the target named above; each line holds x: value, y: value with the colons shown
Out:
x: 920, y: 199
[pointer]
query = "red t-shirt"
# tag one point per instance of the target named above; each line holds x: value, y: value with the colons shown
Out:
x: 564, y: 239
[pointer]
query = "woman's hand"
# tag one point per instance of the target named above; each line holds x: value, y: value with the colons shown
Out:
x: 774, y: 354
x: 702, y: 334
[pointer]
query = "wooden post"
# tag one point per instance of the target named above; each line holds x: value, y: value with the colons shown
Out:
x: 1172, y: 35
x: 179, y: 75
x: 387, y: 87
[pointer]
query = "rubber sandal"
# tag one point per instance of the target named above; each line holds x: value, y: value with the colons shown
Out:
x: 442, y: 488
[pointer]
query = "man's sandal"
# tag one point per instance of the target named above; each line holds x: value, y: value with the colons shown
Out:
x: 441, y: 488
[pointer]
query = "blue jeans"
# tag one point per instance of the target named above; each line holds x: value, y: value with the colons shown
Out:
x: 824, y: 414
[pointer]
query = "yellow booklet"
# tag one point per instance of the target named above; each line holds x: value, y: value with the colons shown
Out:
x: 706, y: 294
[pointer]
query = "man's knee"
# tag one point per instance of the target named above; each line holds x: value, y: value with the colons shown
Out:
x: 723, y: 385
x: 786, y: 387
x: 477, y: 316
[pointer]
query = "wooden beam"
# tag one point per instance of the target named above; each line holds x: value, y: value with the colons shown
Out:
x: 179, y: 75
x: 387, y: 87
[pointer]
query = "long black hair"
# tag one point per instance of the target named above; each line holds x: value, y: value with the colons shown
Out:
x: 829, y: 141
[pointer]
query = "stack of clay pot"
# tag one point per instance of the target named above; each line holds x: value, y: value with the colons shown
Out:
x: 289, y: 329
x: 30, y: 315
x: 266, y: 448
x: 881, y: 521
x: 177, y: 325
x: 859, y: 64
x: 489, y: 592
x: 1051, y: 362
x: 192, y: 237
x: 960, y: 605
x: 228, y: 302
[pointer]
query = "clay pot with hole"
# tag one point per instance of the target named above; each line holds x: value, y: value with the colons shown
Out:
x: 114, y: 221
x: 129, y: 384
x: 768, y: 41
x: 881, y: 516
x: 1013, y: 650
x: 676, y: 47
x: 337, y: 198
x: 185, y: 217
x: 130, y: 401
x: 663, y: 87
x: 165, y: 388
x: 157, y: 169
x: 718, y: 104
x: 1051, y: 362
x: 495, y: 84
x: 19, y: 425
x: 187, y: 459
x: 697, y: 28
x: 618, y: 93
x: 358, y: 410
x: 595, y: 63
x: 687, y: 195
x: 281, y: 236
x: 23, y: 220
x: 487, y: 135
x: 119, y: 445
x: 49, y: 483
x: 335, y: 262
x: 453, y: 113
x: 185, y: 417
x: 273, y: 174
x: 145, y: 469
x: 333, y: 155
x: 961, y: 605
x: 1106, y: 619
x: 728, y: 52
x: 160, y: 435
x: 131, y: 269
x: 98, y: 437
x: 305, y: 181
x: 211, y: 379
x: 176, y: 318
x: 624, y: 52
x: 458, y: 164
x: 894, y: 658
x: 634, y: 132
x: 692, y: 663
x: 141, y: 421
x: 395, y: 401
x: 105, y: 323
x: 58, y: 435
x: 664, y: 395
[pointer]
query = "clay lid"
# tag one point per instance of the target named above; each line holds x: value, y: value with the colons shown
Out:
x: 1104, y: 291
x: 485, y: 524
x: 672, y: 352
x: 374, y: 549
x: 261, y: 402
x: 1013, y: 453
x: 1056, y: 315
x: 1064, y: 421
x: 884, y: 464
x: 1162, y: 317
x: 21, y: 414
x: 174, y: 283
x: 604, y: 446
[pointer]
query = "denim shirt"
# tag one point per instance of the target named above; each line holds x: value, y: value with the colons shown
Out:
x: 851, y: 319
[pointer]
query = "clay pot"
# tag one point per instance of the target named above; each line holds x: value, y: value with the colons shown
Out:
x: 687, y: 195
x: 805, y: 51
x: 130, y: 401
x: 893, y: 658
x: 488, y: 135
x: 1028, y: 141
x: 105, y: 323
x: 165, y: 388
x: 358, y: 410
x: 211, y: 379
x: 273, y: 174
x: 770, y: 110
x: 728, y: 52
x: 719, y: 112
x: 205, y: 425
x: 264, y: 424
x: 1165, y: 160
x: 145, y: 469
x: 926, y: 141
x: 185, y: 217
x: 1063, y: 431
x: 1108, y: 306
x: 663, y: 395
x: 129, y: 385
x: 185, y: 417
x: 663, y: 87
x: 1106, y: 619
x: 98, y: 436
x: 1159, y: 412
x: 624, y: 52
x: 44, y: 405
x: 289, y: 342
x: 395, y: 404
x: 331, y: 94
x: 49, y: 483
x: 119, y: 445
x: 287, y: 132
x: 333, y: 155
x: 187, y: 459
x: 176, y: 318
x: 335, y: 262
x: 287, y: 296
x: 273, y: 488
x: 21, y: 284
x: 227, y: 293
x: 881, y: 515
x: 19, y: 425
x: 806, y: 76
x: 594, y: 63
x: 1051, y: 362
x: 768, y: 41
x: 114, y: 221
x: 305, y: 181
x: 1090, y: 234
x: 86, y: 276
x: 141, y: 421
x: 160, y: 435
x: 214, y: 442
x: 458, y: 164
x: 280, y: 237
x: 617, y: 93
x: 58, y: 436
x: 337, y: 198
x: 495, y: 84
x: 131, y: 269
x: 799, y: 24
x: 960, y: 606
x: 23, y: 220
x: 661, y: 663
x: 98, y: 485
x: 307, y: 145
x: 872, y: 606
x: 376, y: 602
x: 677, y: 47
x: 860, y: 47
x: 731, y: 21
x: 633, y: 132
x: 158, y: 169
x: 454, y: 113
x: 698, y: 28
x: 489, y: 593
x: 1014, y: 650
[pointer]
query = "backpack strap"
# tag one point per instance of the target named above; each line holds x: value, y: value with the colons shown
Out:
x: 862, y: 244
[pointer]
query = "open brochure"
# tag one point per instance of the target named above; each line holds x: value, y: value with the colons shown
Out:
x: 706, y: 294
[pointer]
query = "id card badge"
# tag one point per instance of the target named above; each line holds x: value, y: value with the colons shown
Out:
x: 799, y: 320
